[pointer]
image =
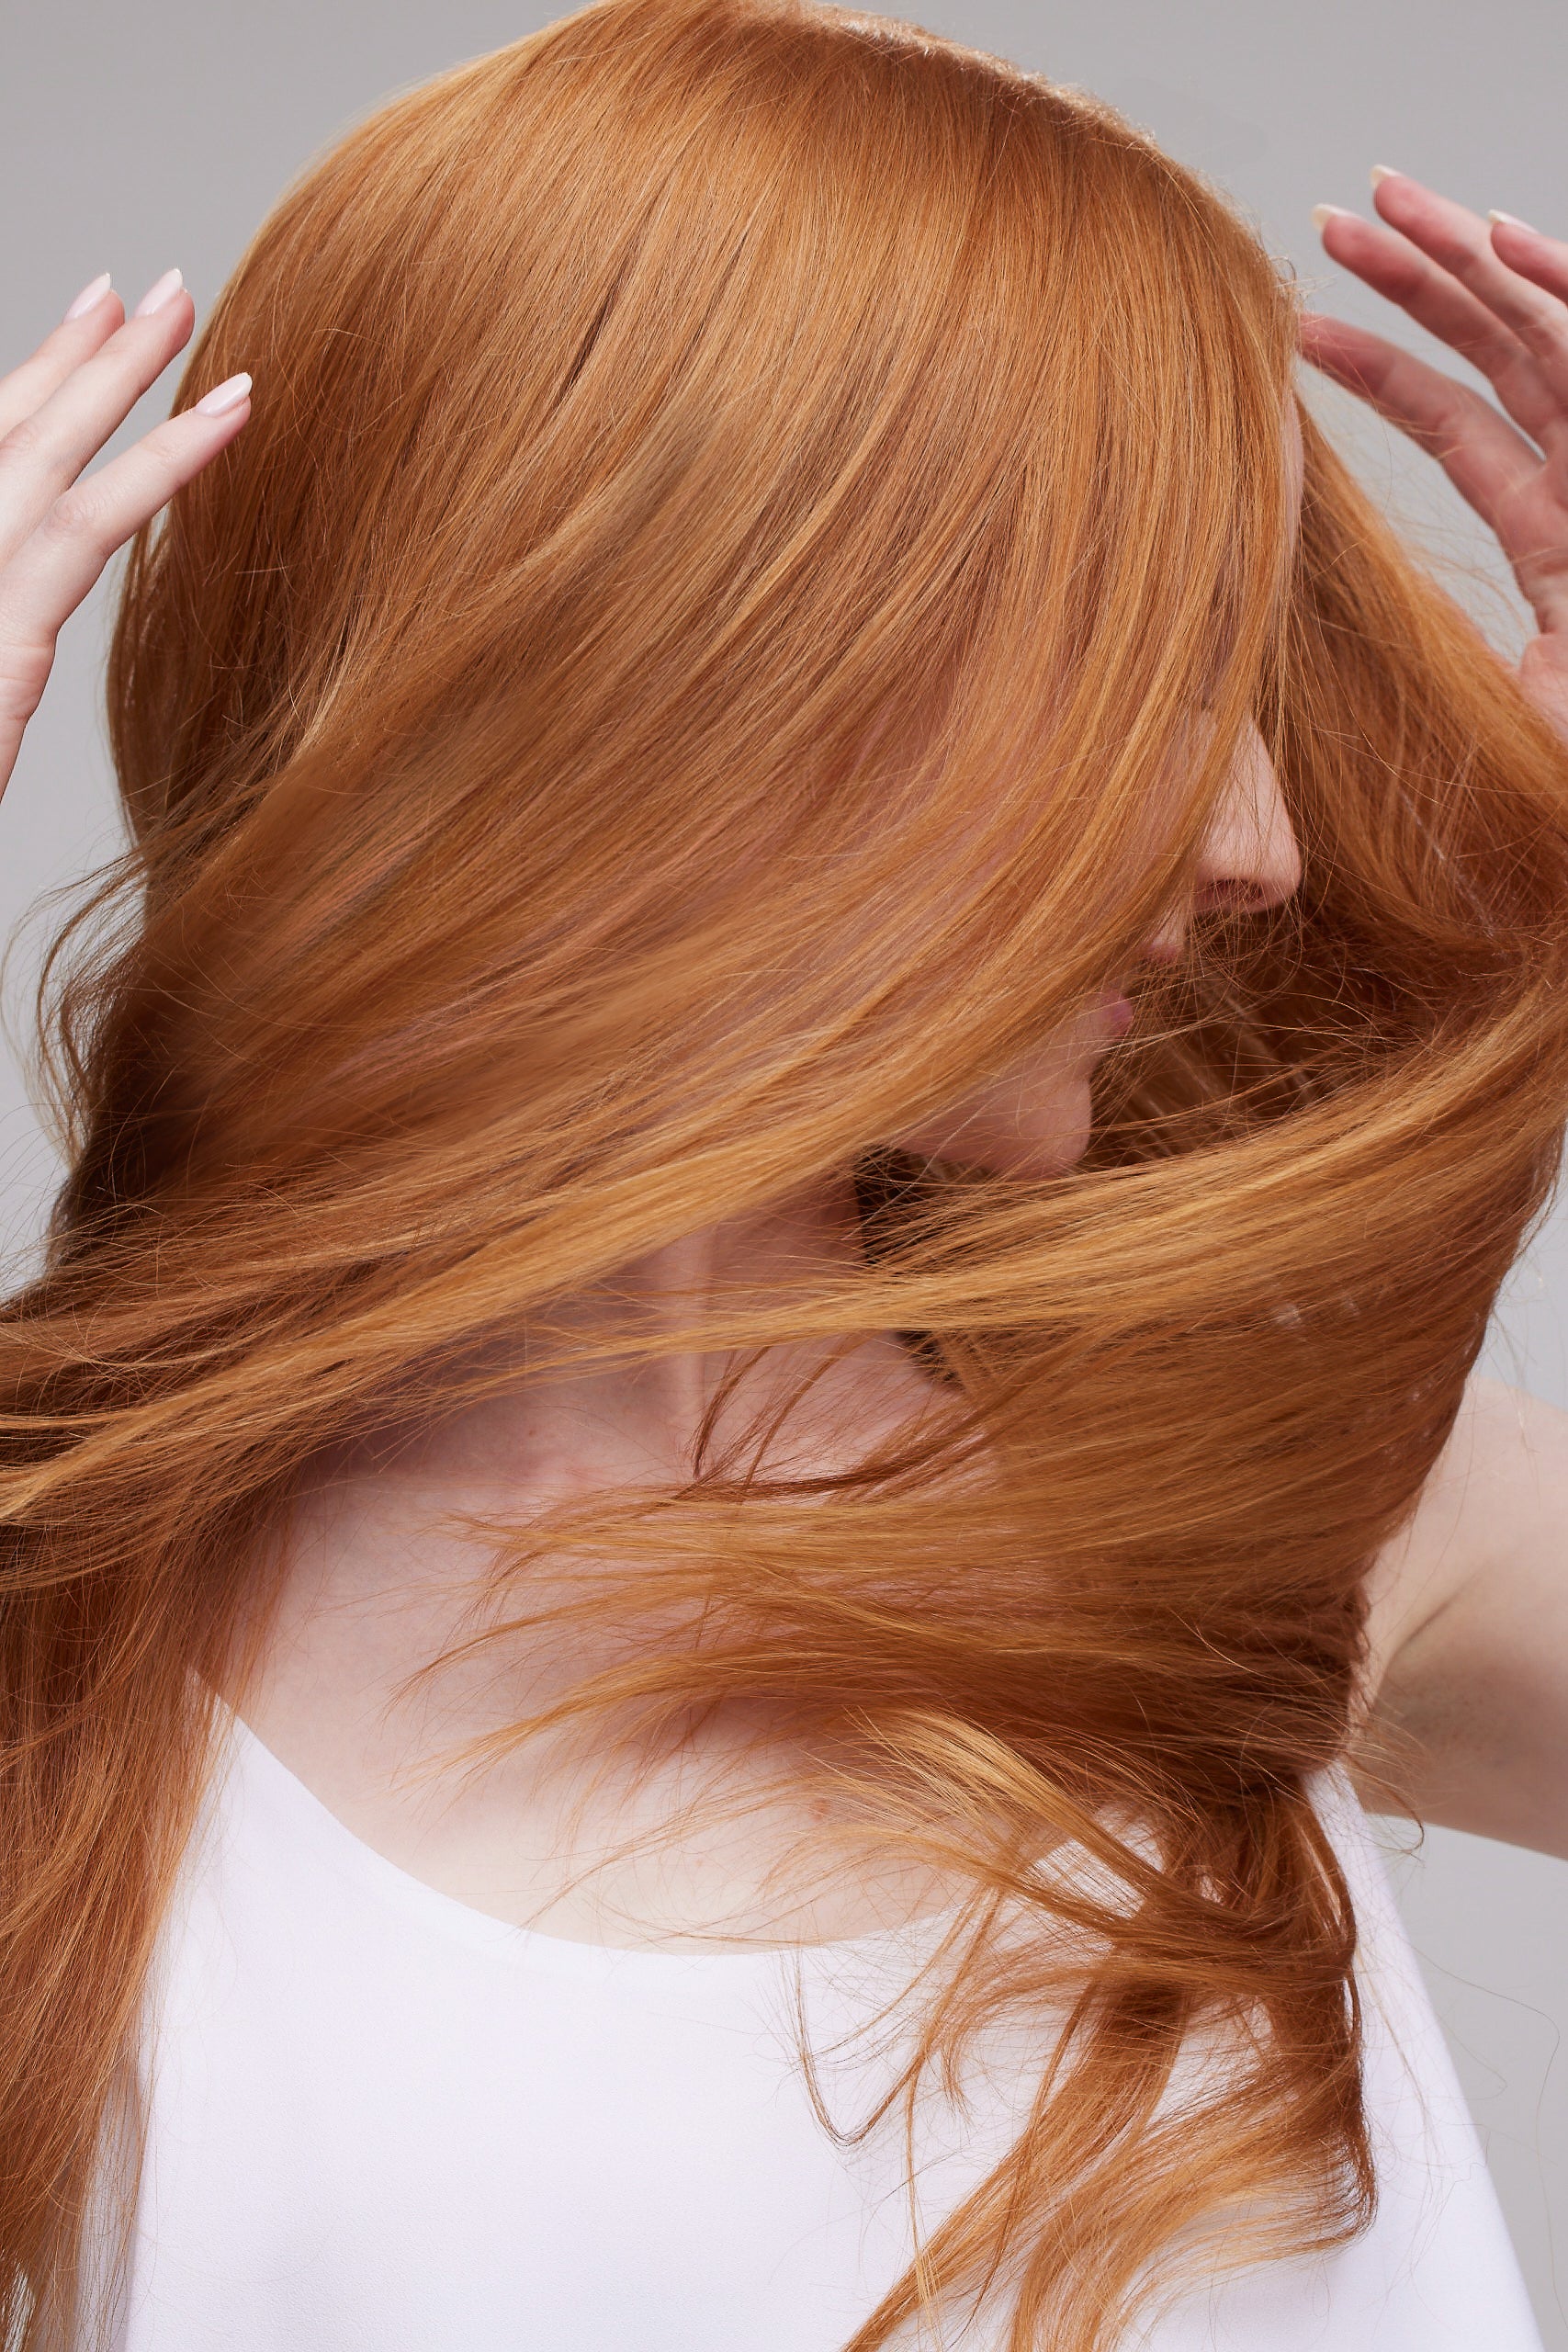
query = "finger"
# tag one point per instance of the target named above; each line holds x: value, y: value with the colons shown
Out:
x: 1460, y: 242
x: 42, y: 455
x: 1398, y: 270
x: 75, y: 339
x: 1492, y: 466
x: 48, y: 578
x: 1542, y: 259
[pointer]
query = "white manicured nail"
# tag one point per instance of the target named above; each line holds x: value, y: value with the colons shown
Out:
x: 1384, y: 172
x: 166, y: 288
x: 1322, y: 213
x: 1512, y: 220
x: 224, y: 396
x: 89, y: 297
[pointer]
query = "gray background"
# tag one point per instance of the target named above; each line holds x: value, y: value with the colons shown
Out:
x: 134, y: 138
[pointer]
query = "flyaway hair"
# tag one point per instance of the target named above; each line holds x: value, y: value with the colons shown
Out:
x: 691, y: 666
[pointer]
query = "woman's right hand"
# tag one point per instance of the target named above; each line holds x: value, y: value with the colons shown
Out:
x: 57, y: 530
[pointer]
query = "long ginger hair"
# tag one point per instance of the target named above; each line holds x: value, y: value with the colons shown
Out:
x: 691, y: 666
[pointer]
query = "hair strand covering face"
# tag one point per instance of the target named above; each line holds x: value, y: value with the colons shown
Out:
x: 687, y: 670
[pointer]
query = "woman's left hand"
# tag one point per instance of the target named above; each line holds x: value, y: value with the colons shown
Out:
x: 1497, y: 293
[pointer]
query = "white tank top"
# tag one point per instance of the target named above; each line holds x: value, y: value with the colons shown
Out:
x: 379, y: 2120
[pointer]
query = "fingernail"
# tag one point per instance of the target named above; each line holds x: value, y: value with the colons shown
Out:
x: 224, y: 396
x: 1323, y: 213
x: 1513, y: 221
x: 89, y: 297
x: 1384, y: 172
x: 167, y: 287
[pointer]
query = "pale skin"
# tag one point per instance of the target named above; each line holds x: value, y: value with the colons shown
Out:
x: 1470, y: 1605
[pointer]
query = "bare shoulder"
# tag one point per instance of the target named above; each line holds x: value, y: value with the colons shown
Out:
x: 1468, y: 1650
x: 1505, y: 1465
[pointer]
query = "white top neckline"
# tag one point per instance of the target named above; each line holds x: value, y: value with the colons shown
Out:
x: 507, y: 1941
x: 380, y: 2121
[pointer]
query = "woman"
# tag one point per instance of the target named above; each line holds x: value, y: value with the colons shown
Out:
x: 696, y: 1532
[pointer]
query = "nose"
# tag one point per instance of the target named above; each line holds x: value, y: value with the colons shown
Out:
x: 1250, y: 859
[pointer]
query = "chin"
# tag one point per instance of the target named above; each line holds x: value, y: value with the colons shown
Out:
x: 1034, y: 1167
x: 1069, y: 1138
x: 1051, y: 1138
x: 1050, y: 1150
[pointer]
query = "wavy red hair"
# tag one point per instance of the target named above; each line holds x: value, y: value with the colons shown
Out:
x: 687, y: 670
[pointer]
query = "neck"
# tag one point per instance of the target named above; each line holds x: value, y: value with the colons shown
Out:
x: 634, y: 1419
x: 377, y: 1584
